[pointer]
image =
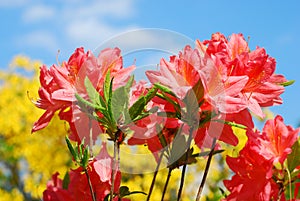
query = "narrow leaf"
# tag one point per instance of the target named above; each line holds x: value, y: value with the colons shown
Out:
x: 66, y: 181
x: 288, y: 83
x: 164, y: 89
x: 92, y: 92
x: 106, y: 86
x: 119, y: 102
x: 85, y: 158
x: 109, y: 104
x: 129, y: 83
x: 293, y: 158
x: 138, y: 107
x: 230, y: 123
x: 178, y: 148
x: 71, y: 149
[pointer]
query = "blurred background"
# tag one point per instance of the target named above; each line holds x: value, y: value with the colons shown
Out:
x: 34, y: 32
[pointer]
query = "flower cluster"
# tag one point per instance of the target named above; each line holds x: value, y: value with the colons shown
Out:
x: 262, y: 165
x: 75, y: 185
x: 194, y: 99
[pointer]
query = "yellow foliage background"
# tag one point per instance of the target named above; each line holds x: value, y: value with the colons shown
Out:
x: 27, y: 160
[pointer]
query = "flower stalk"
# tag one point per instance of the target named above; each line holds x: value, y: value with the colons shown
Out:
x: 189, y: 141
x: 90, y: 184
x: 211, y: 153
x: 154, y: 176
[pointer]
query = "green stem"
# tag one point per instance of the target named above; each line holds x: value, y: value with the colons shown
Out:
x: 90, y: 185
x: 206, y: 169
x: 166, y: 184
x: 113, y: 170
x: 91, y: 137
x: 154, y: 176
x: 185, y: 164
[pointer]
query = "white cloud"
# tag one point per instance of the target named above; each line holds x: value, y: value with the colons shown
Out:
x: 91, y: 32
x: 149, y: 39
x: 39, y: 39
x: 99, y: 9
x: 99, y: 24
x: 38, y: 13
x: 12, y: 3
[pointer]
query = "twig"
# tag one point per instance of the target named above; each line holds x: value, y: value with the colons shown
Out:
x: 113, y: 170
x: 166, y: 184
x: 154, y: 176
x: 90, y: 184
x: 185, y: 164
x: 206, y: 169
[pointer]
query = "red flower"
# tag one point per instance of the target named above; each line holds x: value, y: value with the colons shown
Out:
x: 234, y: 59
x: 217, y: 129
x: 55, y: 191
x: 253, y: 176
x: 277, y: 140
x: 255, y: 173
x: 180, y: 74
x: 60, y: 83
x: 99, y: 171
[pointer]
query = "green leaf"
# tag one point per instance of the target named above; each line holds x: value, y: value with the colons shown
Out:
x: 129, y: 83
x: 92, y: 92
x: 164, y: 89
x: 120, y: 99
x: 295, y: 173
x: 191, y: 104
x: 151, y: 94
x: 106, y: 86
x: 66, y: 181
x: 174, y: 103
x: 72, y: 150
x: 138, y: 107
x: 178, y: 148
x: 84, y: 104
x: 85, y: 158
x: 293, y: 158
x: 288, y: 83
x: 230, y: 123
x: 161, y: 137
x: 199, y: 90
x: 108, y: 100
x: 146, y: 114
x: 107, y: 197
x: 168, y: 114
x: 193, y: 97
x: 123, y: 191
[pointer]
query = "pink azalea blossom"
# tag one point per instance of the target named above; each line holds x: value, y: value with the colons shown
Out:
x: 60, y: 83
x: 233, y: 58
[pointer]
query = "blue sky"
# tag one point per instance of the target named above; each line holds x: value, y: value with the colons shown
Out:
x: 39, y: 29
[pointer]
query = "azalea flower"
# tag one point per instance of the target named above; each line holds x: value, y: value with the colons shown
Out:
x: 100, y: 172
x: 59, y: 84
x: 233, y: 58
x: 253, y: 177
x: 180, y: 74
x: 255, y: 168
x: 277, y: 139
x: 55, y: 190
